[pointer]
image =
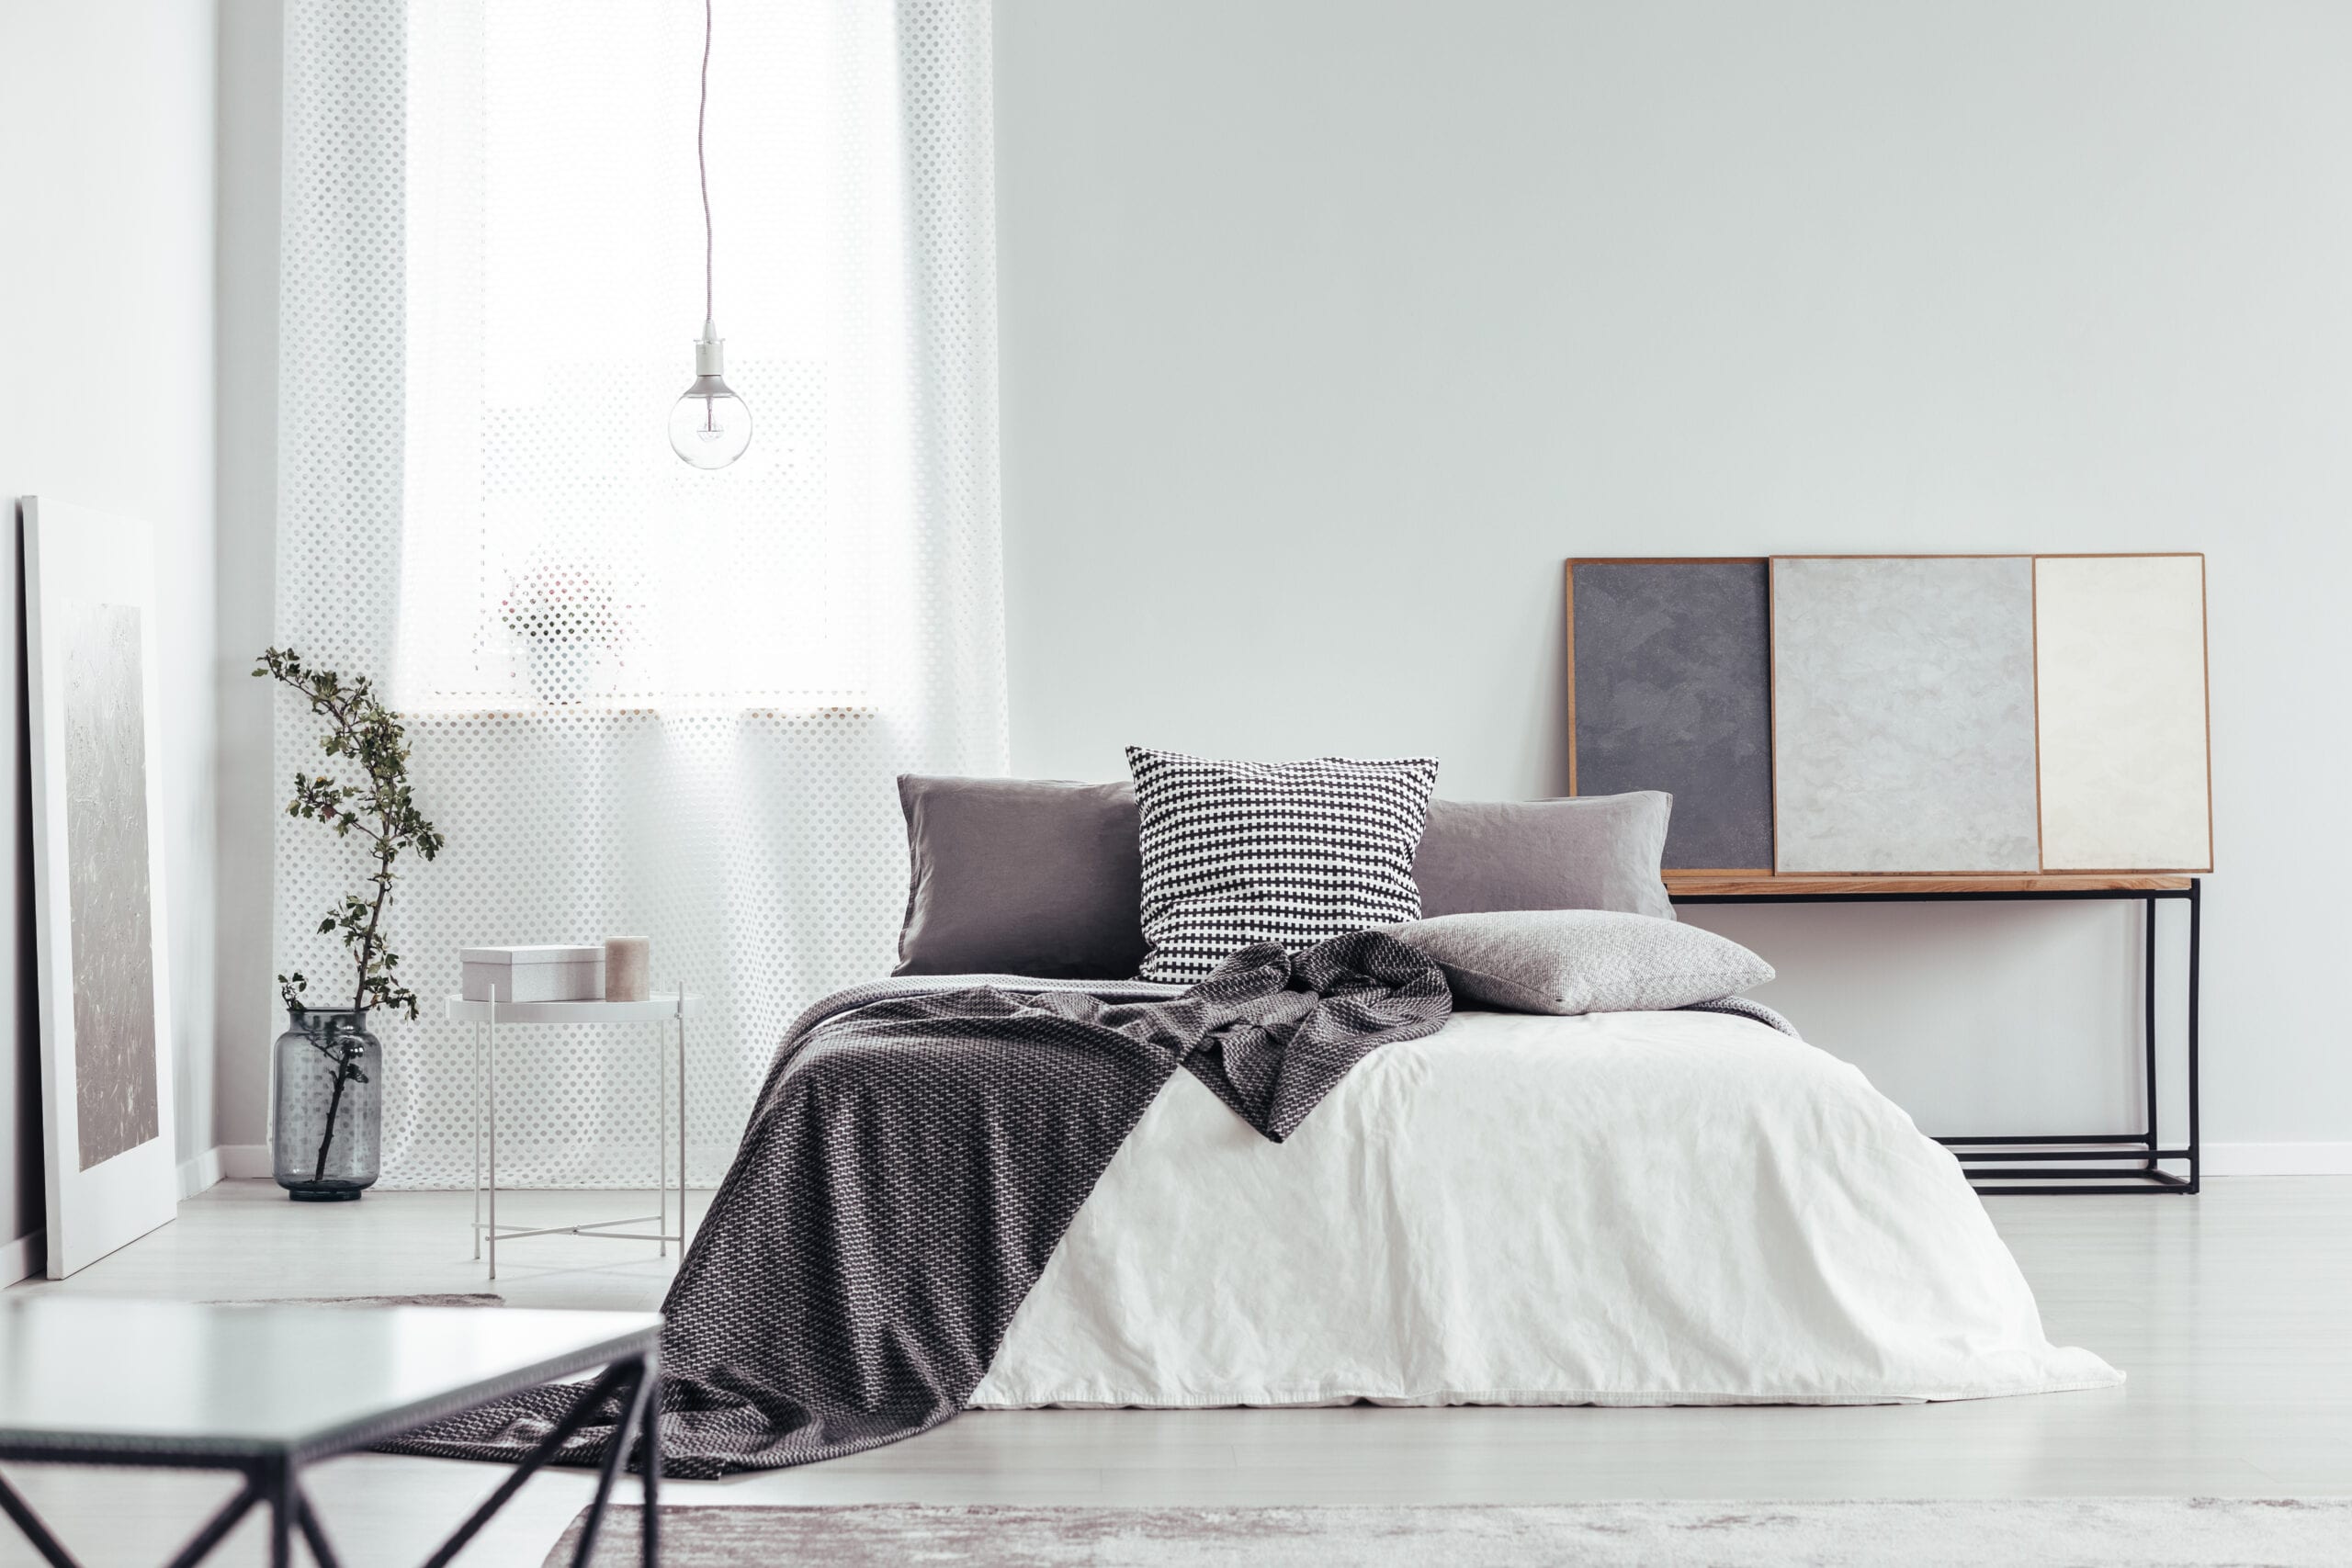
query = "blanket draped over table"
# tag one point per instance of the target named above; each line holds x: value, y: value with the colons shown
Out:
x: 910, y: 1166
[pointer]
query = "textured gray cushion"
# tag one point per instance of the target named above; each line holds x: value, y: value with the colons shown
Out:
x: 1021, y: 876
x: 1571, y: 961
x: 1599, y: 852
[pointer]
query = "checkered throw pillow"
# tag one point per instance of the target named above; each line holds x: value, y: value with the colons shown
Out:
x: 1236, y: 853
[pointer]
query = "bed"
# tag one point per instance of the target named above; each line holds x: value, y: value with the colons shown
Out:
x: 1329, y: 1146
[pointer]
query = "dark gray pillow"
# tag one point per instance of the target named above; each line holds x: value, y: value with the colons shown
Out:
x: 1021, y: 876
x: 1595, y: 852
x: 1573, y: 961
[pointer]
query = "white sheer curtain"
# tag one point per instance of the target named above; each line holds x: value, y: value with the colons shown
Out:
x: 643, y: 699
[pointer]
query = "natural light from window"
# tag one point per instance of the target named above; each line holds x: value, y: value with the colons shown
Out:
x: 557, y: 554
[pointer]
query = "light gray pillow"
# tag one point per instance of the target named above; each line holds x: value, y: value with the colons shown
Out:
x: 1572, y: 960
x: 1594, y: 851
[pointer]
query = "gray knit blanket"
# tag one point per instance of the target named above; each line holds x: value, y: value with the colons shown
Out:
x: 912, y: 1161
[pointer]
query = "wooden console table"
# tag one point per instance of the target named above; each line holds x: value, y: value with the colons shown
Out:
x: 2085, y: 1162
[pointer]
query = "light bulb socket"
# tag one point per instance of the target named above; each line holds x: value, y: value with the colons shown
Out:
x: 710, y: 354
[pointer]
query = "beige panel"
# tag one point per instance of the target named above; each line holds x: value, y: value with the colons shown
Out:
x: 2119, y: 651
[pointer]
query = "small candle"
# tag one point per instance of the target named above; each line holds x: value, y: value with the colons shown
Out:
x: 628, y: 968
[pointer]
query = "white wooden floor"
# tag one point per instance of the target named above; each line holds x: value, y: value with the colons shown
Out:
x: 2232, y: 1312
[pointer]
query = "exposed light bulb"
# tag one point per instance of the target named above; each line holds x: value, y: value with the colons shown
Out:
x: 710, y: 426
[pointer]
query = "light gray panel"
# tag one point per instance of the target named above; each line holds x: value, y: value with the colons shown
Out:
x: 1673, y: 677
x: 106, y: 836
x: 1904, y: 713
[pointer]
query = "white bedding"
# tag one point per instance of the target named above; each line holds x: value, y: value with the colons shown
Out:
x: 1647, y: 1207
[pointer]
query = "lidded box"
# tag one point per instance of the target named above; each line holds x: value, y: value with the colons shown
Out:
x: 555, y: 973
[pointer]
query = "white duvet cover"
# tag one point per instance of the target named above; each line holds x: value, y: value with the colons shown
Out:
x: 1647, y: 1207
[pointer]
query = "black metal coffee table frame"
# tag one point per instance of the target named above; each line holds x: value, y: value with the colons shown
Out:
x: 273, y: 1472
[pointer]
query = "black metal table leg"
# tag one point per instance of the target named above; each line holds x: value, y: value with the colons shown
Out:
x: 21, y: 1513
x: 216, y: 1529
x: 609, y: 1381
x: 275, y: 1483
x: 2196, y: 955
x: 617, y: 1454
x: 313, y: 1536
x: 2148, y: 1021
x: 1977, y: 1155
x: 650, y: 1455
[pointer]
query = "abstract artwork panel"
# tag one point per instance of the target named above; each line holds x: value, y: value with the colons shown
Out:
x: 1904, y: 713
x: 2124, y: 780
x: 109, y: 1170
x: 1672, y: 667
x: 106, y: 834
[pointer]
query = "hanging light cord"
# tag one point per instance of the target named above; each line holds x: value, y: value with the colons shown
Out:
x: 702, y: 163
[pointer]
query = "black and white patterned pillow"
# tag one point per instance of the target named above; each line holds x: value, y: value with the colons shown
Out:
x: 1290, y: 852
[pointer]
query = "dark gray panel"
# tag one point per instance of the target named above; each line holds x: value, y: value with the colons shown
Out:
x: 1673, y: 692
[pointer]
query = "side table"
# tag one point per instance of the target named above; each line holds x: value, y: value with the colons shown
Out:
x: 661, y: 1013
x: 266, y: 1390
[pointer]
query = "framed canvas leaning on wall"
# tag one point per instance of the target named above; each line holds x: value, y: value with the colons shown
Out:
x: 99, y: 881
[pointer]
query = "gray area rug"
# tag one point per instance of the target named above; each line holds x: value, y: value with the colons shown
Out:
x: 464, y: 1299
x: 2085, y: 1533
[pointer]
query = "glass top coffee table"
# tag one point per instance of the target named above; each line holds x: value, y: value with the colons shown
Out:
x: 266, y: 1389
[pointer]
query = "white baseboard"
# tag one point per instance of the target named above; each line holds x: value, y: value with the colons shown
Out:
x: 199, y: 1173
x: 2278, y: 1159
x: 246, y: 1162
x: 24, y: 1258
x: 223, y: 1162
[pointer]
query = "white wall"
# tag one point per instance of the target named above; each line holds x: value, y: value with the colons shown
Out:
x: 247, y: 1020
x: 1329, y: 327
x: 106, y: 399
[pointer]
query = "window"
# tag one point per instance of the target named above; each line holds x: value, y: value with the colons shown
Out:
x: 555, y: 551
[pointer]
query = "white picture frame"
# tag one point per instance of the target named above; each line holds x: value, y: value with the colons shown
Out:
x: 99, y: 913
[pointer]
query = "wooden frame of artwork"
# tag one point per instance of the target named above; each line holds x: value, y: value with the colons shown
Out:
x: 2098, y: 758
x: 109, y: 1130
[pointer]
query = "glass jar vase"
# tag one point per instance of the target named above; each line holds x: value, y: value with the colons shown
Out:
x: 327, y: 1107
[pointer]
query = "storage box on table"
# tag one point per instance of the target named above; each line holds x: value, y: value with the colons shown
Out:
x: 554, y: 973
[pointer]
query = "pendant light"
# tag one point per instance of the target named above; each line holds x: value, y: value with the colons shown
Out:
x: 710, y: 425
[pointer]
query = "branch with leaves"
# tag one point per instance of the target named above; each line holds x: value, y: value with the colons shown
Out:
x: 379, y: 808
x: 376, y: 805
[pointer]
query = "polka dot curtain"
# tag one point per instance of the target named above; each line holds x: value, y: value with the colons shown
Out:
x: 643, y: 699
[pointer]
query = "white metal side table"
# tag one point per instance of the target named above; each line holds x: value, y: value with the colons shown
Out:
x: 661, y: 1013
